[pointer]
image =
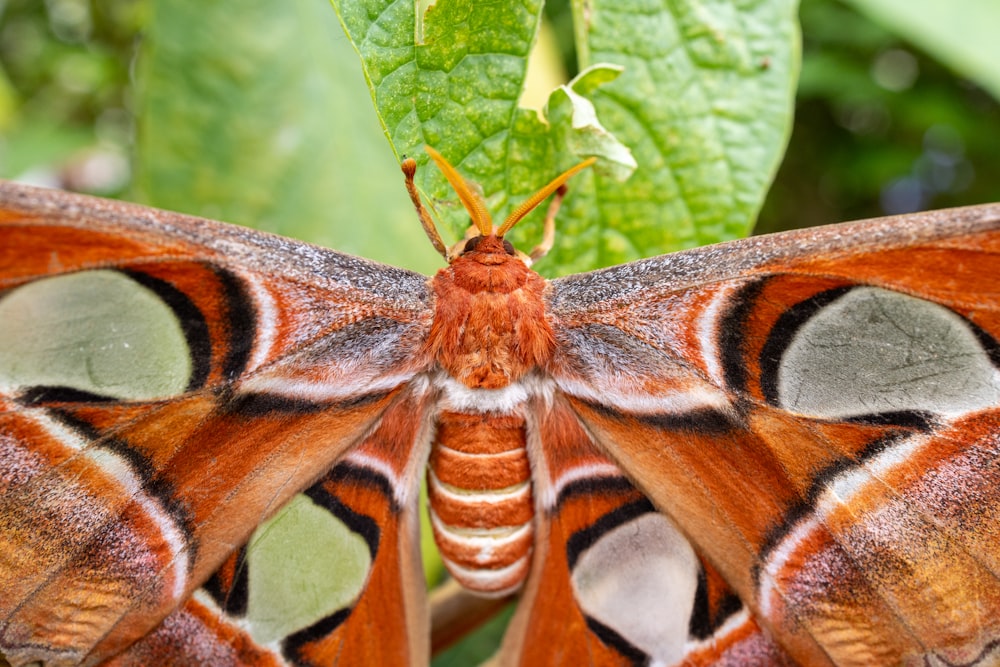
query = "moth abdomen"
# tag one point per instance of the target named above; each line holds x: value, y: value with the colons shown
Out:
x: 479, y: 483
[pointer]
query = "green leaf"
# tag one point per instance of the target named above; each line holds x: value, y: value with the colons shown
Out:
x: 963, y: 36
x: 455, y: 86
x: 573, y: 121
x: 254, y: 112
x: 704, y: 103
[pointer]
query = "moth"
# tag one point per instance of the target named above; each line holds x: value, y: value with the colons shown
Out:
x: 782, y: 450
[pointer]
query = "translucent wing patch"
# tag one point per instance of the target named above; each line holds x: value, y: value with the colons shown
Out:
x: 913, y: 355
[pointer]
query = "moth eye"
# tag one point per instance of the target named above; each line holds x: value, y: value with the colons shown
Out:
x: 278, y: 573
x: 96, y: 332
x: 472, y: 243
x: 872, y: 351
x: 640, y: 578
x: 508, y: 247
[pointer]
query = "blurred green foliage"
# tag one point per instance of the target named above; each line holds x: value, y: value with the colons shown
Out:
x: 64, y: 91
x: 881, y: 126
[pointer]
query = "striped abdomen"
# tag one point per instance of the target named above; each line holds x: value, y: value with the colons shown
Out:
x: 479, y: 483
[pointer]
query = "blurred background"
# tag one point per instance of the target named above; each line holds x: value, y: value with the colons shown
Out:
x: 65, y: 103
x: 891, y: 116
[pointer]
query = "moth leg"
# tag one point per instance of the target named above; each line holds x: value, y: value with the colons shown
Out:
x: 409, y: 167
x: 455, y: 612
x: 549, y: 228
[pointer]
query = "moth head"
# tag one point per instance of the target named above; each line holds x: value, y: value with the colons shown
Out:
x: 480, y: 243
x: 482, y: 236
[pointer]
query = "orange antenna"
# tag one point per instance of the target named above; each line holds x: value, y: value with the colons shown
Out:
x: 476, y: 206
x: 471, y: 199
x: 534, y: 200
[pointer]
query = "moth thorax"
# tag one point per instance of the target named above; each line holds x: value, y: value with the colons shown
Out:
x: 490, y: 326
x: 479, y: 484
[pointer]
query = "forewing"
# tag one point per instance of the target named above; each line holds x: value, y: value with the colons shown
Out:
x: 818, y: 412
x: 167, y: 384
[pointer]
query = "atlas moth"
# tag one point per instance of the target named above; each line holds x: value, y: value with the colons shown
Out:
x: 781, y: 450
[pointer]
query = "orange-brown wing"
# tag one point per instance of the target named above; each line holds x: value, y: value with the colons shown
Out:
x: 332, y: 579
x: 613, y: 581
x: 167, y: 383
x: 819, y: 412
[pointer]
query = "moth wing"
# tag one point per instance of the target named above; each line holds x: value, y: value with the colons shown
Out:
x: 818, y: 413
x: 334, y: 578
x: 167, y: 384
x: 613, y: 580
